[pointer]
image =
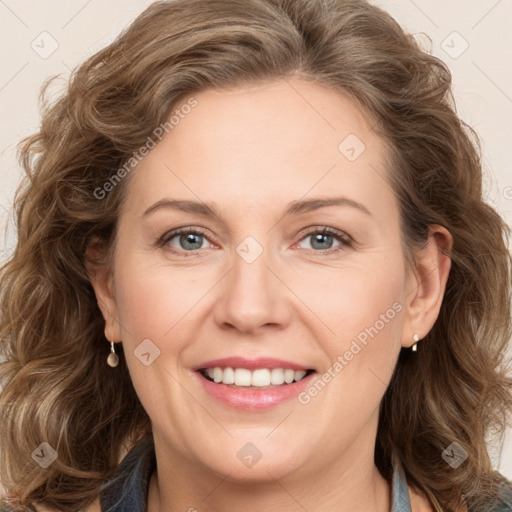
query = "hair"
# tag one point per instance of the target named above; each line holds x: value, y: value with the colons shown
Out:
x: 55, y: 385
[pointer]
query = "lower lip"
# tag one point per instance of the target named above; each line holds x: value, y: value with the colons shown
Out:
x: 251, y: 399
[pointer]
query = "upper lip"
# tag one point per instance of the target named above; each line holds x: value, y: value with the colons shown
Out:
x: 251, y: 364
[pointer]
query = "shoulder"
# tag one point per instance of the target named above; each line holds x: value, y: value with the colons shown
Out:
x: 128, y: 487
x: 503, y: 502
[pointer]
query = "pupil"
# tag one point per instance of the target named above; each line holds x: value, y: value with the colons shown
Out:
x: 319, y: 237
x: 189, y: 239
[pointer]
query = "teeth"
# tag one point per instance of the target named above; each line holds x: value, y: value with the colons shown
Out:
x: 277, y: 376
x: 289, y: 375
x: 299, y: 375
x: 242, y: 377
x: 256, y: 378
x: 260, y: 378
x: 228, y: 376
x: 217, y: 375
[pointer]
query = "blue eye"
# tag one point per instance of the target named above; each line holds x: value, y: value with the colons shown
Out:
x: 323, y: 239
x: 189, y: 240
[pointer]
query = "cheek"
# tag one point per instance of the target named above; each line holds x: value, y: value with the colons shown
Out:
x: 370, y: 352
x: 152, y: 307
x: 362, y: 312
x: 154, y: 300
x: 143, y: 309
x: 348, y: 300
x: 370, y: 304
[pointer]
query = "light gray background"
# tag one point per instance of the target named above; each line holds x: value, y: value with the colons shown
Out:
x: 482, y: 80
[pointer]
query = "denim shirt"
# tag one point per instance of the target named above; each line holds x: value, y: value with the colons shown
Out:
x: 127, y: 491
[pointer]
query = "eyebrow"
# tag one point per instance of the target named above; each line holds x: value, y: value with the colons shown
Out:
x: 293, y: 208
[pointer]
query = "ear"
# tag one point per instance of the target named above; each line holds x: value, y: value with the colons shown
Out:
x: 101, y: 279
x: 426, y: 284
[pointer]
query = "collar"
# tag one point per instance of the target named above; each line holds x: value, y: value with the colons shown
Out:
x: 127, y: 490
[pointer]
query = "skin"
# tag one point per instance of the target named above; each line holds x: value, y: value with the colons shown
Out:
x: 251, y: 151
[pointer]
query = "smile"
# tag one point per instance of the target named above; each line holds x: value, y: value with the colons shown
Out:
x: 261, y: 377
x: 253, y: 384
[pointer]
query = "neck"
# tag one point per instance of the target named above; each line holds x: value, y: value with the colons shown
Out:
x: 273, y: 497
x: 348, y: 483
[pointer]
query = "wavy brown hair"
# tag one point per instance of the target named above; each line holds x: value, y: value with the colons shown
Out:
x: 55, y: 385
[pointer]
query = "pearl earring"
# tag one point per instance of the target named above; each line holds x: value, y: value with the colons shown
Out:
x: 112, y: 359
x: 416, y: 338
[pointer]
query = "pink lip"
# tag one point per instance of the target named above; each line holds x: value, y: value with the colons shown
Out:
x: 252, y: 399
x: 251, y: 364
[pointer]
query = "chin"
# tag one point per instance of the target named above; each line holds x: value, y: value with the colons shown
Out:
x: 257, y: 460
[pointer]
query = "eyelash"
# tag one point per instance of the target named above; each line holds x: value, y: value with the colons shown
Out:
x: 346, y: 240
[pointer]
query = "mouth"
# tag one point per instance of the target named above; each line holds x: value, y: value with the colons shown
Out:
x: 259, y: 378
x: 253, y: 384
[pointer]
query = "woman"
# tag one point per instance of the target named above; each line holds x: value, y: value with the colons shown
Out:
x: 254, y: 265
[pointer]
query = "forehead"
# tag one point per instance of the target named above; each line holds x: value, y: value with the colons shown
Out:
x: 274, y: 116
x: 262, y: 144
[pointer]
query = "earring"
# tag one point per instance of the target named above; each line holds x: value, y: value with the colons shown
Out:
x: 112, y: 359
x: 416, y: 338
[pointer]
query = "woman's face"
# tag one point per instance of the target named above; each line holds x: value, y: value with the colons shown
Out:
x: 256, y: 287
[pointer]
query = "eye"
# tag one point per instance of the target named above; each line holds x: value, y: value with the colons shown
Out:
x: 322, y: 239
x: 189, y: 239
x: 184, y: 239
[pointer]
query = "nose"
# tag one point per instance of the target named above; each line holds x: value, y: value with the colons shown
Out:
x: 253, y: 296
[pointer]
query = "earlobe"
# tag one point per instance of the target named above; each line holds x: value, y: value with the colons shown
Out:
x: 427, y: 284
x: 101, y: 281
